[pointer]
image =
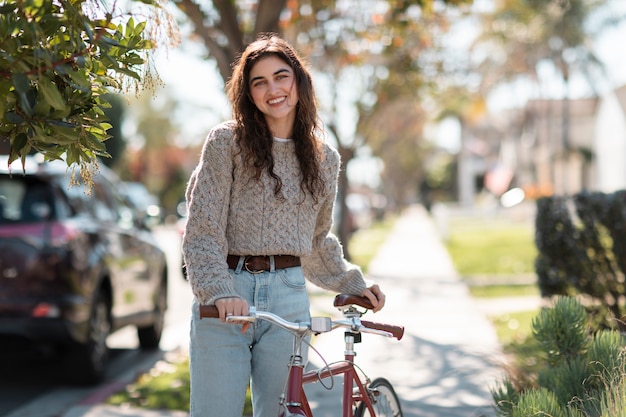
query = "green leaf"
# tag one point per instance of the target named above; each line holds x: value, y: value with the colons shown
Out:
x: 66, y: 135
x: 13, y: 117
x: 134, y: 59
x: 20, y: 141
x: 91, y: 141
x: 81, y: 80
x: 73, y: 155
x: 51, y: 93
x: 42, y: 108
x: 25, y: 94
x: 21, y: 82
x: 139, y: 28
x: 110, y: 41
x: 130, y: 73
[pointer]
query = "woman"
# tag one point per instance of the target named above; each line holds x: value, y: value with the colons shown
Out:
x: 260, y: 207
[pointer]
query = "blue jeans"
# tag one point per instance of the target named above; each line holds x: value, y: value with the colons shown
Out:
x: 223, y: 361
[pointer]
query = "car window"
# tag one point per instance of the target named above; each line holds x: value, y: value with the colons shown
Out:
x: 25, y: 200
x: 117, y: 201
x: 101, y: 201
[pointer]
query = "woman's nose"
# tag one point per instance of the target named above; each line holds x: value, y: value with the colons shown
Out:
x: 273, y: 86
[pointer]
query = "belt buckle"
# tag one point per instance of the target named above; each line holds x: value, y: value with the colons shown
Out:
x: 252, y: 271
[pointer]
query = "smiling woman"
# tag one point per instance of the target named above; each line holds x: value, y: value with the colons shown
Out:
x: 260, y: 211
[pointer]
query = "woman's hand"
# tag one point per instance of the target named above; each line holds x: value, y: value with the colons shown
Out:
x: 376, y: 297
x: 233, y: 306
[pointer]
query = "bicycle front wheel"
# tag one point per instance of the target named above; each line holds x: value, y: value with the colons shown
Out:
x: 384, y: 400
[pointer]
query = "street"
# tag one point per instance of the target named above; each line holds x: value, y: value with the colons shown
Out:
x: 36, y: 387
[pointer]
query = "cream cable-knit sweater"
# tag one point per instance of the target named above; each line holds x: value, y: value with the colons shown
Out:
x: 231, y: 213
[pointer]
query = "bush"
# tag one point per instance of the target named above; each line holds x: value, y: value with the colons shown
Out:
x: 584, y: 373
x: 582, y: 251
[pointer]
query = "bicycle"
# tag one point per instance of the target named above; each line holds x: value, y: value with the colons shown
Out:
x: 361, y: 397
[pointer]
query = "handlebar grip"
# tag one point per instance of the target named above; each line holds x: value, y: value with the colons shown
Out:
x: 396, y: 331
x: 208, y: 311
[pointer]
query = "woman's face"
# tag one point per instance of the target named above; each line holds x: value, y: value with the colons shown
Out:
x: 273, y: 89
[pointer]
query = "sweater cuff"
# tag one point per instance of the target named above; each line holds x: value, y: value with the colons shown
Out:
x: 208, y: 296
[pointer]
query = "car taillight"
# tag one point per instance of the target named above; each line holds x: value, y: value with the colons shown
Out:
x: 62, y: 233
x: 46, y: 310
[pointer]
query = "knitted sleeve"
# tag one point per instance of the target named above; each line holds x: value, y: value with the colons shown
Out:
x: 204, y: 242
x: 326, y: 267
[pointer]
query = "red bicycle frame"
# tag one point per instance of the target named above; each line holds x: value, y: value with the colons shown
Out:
x: 296, y: 401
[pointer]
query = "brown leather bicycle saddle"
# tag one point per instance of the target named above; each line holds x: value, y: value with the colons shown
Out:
x: 342, y: 300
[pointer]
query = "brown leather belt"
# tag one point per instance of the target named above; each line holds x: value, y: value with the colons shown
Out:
x: 258, y: 264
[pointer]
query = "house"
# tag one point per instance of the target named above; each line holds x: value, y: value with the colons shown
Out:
x: 609, y: 145
x: 546, y: 147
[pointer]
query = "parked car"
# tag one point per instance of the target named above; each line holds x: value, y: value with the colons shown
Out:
x: 75, y: 265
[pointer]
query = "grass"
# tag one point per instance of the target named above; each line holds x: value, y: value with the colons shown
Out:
x: 365, y: 243
x: 522, y: 350
x: 503, y: 290
x: 165, y: 387
x: 514, y: 327
x: 491, y: 247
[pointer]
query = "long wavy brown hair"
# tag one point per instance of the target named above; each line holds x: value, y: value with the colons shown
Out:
x: 252, y: 131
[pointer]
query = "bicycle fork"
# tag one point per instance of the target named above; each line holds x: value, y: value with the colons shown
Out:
x: 294, y: 403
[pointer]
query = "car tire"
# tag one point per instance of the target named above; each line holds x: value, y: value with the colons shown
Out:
x: 90, y: 359
x: 150, y: 336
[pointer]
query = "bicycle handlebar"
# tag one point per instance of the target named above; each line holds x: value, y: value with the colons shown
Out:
x: 355, y: 325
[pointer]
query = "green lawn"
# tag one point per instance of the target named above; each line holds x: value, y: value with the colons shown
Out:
x: 502, y: 290
x: 365, y: 243
x: 491, y: 247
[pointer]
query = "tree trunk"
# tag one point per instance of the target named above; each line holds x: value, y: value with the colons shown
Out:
x: 344, y: 228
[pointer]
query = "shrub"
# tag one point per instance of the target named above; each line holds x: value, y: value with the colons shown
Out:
x: 584, y: 373
x: 581, y: 243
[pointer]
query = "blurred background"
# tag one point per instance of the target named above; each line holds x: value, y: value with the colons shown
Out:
x: 471, y: 104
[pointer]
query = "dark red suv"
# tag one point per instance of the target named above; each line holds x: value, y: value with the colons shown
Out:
x: 75, y: 265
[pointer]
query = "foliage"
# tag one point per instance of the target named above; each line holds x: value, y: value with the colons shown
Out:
x: 321, y: 26
x: 58, y: 60
x: 581, y: 371
x: 582, y: 251
x: 521, y: 34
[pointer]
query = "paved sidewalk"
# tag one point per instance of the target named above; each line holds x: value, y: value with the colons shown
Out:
x: 449, y: 358
x: 447, y: 361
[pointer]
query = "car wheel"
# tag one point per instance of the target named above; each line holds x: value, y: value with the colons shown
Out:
x: 150, y: 336
x: 90, y: 359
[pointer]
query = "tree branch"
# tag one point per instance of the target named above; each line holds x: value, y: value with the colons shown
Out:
x: 268, y: 15
x: 208, y: 35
